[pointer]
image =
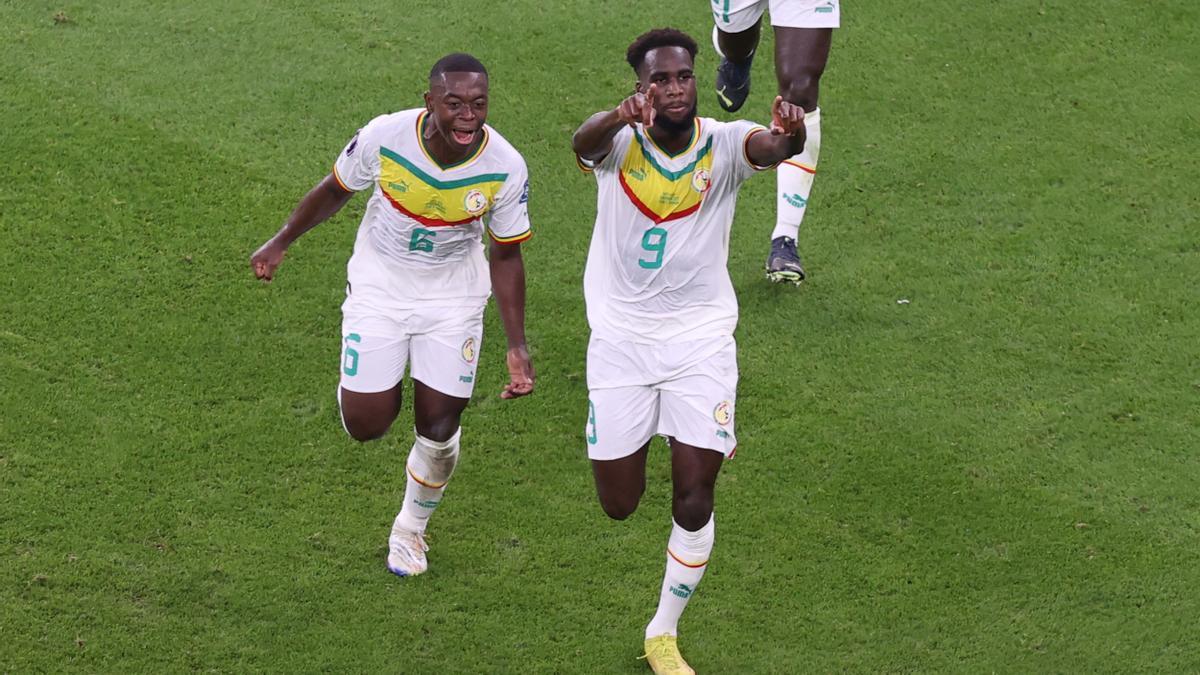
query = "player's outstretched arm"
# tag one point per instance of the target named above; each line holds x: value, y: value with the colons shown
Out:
x: 508, y: 285
x: 786, y: 138
x: 321, y: 202
x: 593, y: 139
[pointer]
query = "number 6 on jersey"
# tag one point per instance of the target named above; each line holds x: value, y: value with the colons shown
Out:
x: 654, y: 241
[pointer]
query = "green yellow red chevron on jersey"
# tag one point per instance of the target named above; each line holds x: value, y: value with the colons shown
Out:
x: 431, y: 201
x: 659, y: 193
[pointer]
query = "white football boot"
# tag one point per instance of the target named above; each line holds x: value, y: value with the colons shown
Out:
x: 406, y: 552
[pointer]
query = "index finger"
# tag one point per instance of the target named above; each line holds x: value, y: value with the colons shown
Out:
x: 648, y: 109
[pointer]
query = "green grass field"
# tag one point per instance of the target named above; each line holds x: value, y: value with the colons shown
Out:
x: 1001, y: 475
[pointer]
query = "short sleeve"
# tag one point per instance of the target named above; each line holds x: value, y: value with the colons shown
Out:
x: 508, y: 220
x: 357, y: 167
x: 614, y: 157
x: 735, y: 137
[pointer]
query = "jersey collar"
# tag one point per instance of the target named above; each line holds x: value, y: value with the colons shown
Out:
x: 690, y: 146
x: 422, y: 120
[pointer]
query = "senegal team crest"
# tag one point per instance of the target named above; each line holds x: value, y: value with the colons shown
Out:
x: 701, y: 179
x: 468, y: 350
x: 475, y: 202
x: 723, y: 413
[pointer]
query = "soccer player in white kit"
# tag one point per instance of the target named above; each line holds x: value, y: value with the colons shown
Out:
x: 660, y: 303
x: 803, y: 34
x: 418, y: 280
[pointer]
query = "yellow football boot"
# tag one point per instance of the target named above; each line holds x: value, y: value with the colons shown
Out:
x: 664, y: 658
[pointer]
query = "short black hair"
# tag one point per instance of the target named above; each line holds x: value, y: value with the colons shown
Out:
x: 458, y: 62
x: 653, y: 39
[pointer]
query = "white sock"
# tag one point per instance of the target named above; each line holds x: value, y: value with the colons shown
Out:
x: 687, y: 558
x: 795, y: 180
x: 429, y: 467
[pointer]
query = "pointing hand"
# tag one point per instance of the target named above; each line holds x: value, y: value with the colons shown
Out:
x: 639, y: 108
x: 786, y: 118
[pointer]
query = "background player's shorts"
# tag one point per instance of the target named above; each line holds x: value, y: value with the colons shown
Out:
x: 735, y: 16
x: 441, y: 343
x: 684, y: 390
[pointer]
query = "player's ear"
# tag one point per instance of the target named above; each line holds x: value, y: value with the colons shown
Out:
x: 428, y: 102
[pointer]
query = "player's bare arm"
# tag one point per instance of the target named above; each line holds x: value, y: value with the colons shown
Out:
x: 508, y: 285
x: 321, y: 202
x: 593, y: 139
x: 786, y: 138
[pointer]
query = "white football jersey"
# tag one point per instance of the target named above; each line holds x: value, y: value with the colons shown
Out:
x: 420, y: 242
x: 656, y: 270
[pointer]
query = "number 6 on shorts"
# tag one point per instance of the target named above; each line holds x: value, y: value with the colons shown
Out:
x: 350, y: 355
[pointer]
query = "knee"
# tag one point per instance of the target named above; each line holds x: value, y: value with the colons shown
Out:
x: 433, y: 461
x: 692, y: 507
x: 618, y: 510
x: 362, y: 428
x: 440, y: 429
x: 620, y: 507
x: 800, y: 87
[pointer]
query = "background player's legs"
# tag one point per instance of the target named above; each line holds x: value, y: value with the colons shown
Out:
x: 694, y: 478
x: 733, y: 72
x: 800, y: 58
x: 739, y: 47
x: 621, y: 482
x: 367, y: 417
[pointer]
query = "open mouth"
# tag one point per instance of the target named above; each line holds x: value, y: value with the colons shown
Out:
x: 463, y: 137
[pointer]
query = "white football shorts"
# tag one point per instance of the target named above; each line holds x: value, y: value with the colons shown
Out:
x: 442, y: 345
x: 683, y: 390
x: 735, y: 16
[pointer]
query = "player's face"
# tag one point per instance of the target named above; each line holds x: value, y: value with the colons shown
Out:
x: 458, y: 104
x: 670, y: 70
